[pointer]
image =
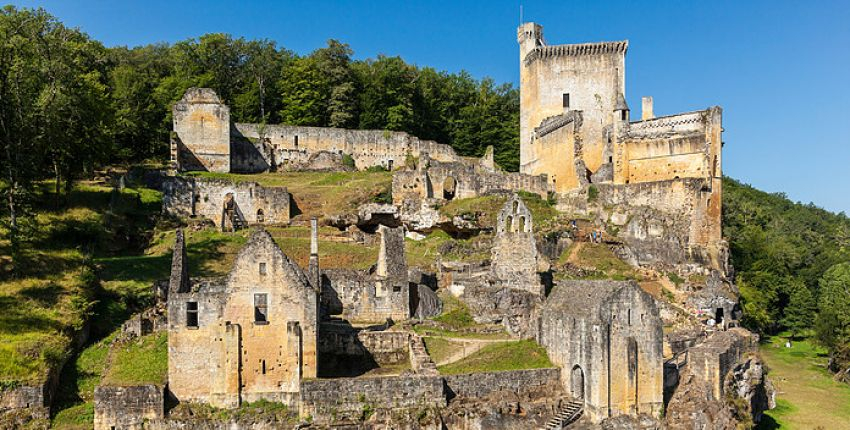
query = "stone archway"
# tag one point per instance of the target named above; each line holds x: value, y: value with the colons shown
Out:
x: 577, y: 382
x: 449, y: 188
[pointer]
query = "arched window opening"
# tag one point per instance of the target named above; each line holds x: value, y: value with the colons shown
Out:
x: 577, y: 383
x: 449, y: 188
x: 521, y: 227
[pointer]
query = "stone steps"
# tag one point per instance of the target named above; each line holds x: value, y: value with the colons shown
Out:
x: 568, y: 414
x: 420, y: 361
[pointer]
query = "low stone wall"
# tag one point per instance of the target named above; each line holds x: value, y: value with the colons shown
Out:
x: 356, y: 398
x: 127, y: 407
x: 525, y: 384
x: 385, y: 347
x: 203, y: 197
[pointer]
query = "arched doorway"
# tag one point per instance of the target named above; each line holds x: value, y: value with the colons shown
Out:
x: 260, y: 216
x: 449, y: 188
x: 577, y: 383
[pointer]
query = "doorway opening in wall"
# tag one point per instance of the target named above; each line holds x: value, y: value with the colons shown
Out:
x: 296, y: 141
x: 449, y: 188
x: 577, y: 383
x: 390, y: 165
x: 718, y: 316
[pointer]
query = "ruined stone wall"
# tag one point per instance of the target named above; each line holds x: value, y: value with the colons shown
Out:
x: 127, y: 407
x: 233, y: 354
x: 592, y: 74
x: 672, y: 222
x: 714, y: 358
x: 557, y: 152
x: 459, y: 180
x: 347, y: 397
x: 524, y: 384
x: 355, y: 295
x: 384, y: 347
x: 202, y: 131
x: 514, y: 254
x: 189, y: 197
x: 280, y: 144
x: 677, y: 146
x: 606, y: 336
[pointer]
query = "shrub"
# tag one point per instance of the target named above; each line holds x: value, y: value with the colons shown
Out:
x: 347, y: 161
x: 592, y: 193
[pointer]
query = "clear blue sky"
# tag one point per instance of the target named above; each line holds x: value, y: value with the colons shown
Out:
x: 779, y: 69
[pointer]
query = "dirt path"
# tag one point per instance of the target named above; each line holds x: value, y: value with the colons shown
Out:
x: 467, y: 348
x: 573, y: 257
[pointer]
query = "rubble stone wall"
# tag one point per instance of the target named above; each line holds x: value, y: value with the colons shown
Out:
x: 202, y: 131
x: 525, y: 384
x: 349, y: 397
x: 205, y: 198
x: 127, y: 407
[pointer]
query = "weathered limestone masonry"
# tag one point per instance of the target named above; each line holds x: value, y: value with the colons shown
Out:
x: 442, y: 181
x: 365, y: 296
x: 204, y: 139
x: 250, y: 336
x: 127, y: 408
x: 607, y: 338
x: 518, y: 382
x: 661, y: 222
x: 574, y: 127
x: 201, y: 138
x: 340, y: 342
x: 222, y: 200
x: 346, y: 398
x: 514, y: 256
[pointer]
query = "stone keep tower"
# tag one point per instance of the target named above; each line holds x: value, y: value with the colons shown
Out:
x: 201, y: 139
x: 577, y: 84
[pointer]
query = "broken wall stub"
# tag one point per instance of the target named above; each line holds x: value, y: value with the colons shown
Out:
x: 201, y: 132
x: 514, y: 256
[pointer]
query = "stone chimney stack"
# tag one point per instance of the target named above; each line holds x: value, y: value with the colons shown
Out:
x: 313, y: 265
x: 646, y: 108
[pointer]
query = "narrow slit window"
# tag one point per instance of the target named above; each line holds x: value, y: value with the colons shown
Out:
x: 192, y: 314
x: 261, y: 308
x: 566, y: 100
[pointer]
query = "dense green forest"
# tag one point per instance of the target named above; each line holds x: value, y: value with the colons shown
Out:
x: 69, y: 106
x: 793, y: 266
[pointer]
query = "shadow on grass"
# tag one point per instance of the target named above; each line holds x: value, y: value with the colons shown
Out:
x: 17, y: 318
x: 768, y: 423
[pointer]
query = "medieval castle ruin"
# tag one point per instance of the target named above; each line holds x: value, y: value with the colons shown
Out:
x: 304, y: 336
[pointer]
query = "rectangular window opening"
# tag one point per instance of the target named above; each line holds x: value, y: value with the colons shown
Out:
x: 261, y: 308
x: 192, y: 314
x: 262, y: 268
x: 566, y: 100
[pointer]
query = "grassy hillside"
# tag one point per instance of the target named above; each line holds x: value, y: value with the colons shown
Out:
x: 776, y: 244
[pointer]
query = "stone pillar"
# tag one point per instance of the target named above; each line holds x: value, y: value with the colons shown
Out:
x: 313, y: 266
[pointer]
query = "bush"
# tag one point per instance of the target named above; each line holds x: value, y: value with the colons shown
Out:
x: 592, y: 193
x: 347, y: 161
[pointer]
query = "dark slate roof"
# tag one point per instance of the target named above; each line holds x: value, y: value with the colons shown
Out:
x: 621, y: 102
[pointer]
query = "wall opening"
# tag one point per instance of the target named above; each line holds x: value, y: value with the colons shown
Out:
x: 260, y: 216
x: 521, y: 227
x: 261, y: 308
x: 509, y: 224
x: 718, y: 316
x: 449, y: 188
x: 262, y: 268
x: 577, y: 383
x: 566, y: 100
x: 390, y: 165
x: 263, y: 366
x: 632, y: 357
x: 192, y: 314
x: 296, y: 141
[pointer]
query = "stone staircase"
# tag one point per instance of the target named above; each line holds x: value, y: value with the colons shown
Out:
x: 420, y: 361
x: 569, y: 413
